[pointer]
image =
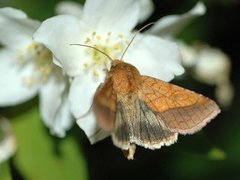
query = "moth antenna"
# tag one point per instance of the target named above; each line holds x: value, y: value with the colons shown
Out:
x: 134, y: 38
x: 84, y: 45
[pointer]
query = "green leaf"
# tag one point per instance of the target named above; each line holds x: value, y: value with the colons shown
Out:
x: 43, y: 157
x: 5, y: 173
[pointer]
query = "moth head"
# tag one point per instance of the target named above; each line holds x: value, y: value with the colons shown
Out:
x: 116, y: 62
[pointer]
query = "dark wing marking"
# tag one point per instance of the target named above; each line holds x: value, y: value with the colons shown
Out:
x: 137, y: 124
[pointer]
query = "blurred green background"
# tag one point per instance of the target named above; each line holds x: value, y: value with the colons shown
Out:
x: 213, y: 153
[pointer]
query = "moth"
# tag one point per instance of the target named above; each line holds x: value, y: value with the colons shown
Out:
x: 144, y: 111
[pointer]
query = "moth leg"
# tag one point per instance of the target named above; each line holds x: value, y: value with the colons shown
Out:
x: 129, y: 154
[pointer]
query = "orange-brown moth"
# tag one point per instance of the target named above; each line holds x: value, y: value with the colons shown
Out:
x: 141, y: 110
x: 144, y: 111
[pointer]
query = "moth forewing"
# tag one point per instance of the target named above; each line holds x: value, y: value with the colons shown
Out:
x: 180, y: 110
x: 104, y: 105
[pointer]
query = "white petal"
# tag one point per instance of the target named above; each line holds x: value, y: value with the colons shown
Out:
x: 212, y: 65
x: 82, y: 91
x: 13, y: 89
x: 89, y: 125
x: 57, y: 34
x: 54, y: 104
x: 188, y: 54
x: 172, y: 24
x: 111, y: 14
x: 56, y: 61
x: 69, y: 7
x: 13, y: 13
x: 155, y: 57
x: 224, y: 93
x: 146, y: 9
x: 63, y: 120
x: 7, y: 141
x: 16, y: 29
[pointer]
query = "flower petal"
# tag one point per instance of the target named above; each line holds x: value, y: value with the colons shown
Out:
x: 111, y: 14
x: 7, y: 142
x: 57, y: 34
x: 172, y: 24
x: 13, y: 13
x: 63, y: 120
x: 188, y: 54
x: 54, y: 104
x: 16, y: 29
x: 224, y: 93
x: 13, y: 89
x: 82, y: 91
x: 146, y: 9
x: 212, y: 65
x: 89, y: 125
x: 155, y: 57
x: 69, y: 7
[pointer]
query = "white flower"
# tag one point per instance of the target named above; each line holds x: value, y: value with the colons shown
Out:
x: 69, y: 7
x: 146, y: 9
x: 106, y: 25
x: 169, y: 26
x: 7, y: 140
x: 27, y: 69
x: 74, y: 8
x: 211, y: 66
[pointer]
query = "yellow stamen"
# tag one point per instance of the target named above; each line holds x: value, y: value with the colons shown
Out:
x: 120, y: 36
x: 110, y: 45
x: 85, y: 65
x: 41, y: 58
x: 98, y: 38
x: 95, y: 73
x: 87, y: 40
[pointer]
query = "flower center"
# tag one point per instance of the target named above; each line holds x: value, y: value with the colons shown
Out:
x: 111, y: 44
x: 41, y: 60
